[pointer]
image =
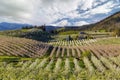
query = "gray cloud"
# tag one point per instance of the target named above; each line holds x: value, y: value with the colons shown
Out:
x: 49, y: 11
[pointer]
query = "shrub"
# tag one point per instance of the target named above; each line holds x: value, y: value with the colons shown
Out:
x: 102, y: 30
x: 117, y: 32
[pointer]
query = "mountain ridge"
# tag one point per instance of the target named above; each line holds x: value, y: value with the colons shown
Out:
x: 11, y: 26
x: 109, y: 24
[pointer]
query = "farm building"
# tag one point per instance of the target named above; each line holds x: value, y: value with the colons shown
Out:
x: 82, y: 35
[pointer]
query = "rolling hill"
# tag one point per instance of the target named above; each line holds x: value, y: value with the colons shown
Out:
x: 109, y: 24
x: 21, y: 47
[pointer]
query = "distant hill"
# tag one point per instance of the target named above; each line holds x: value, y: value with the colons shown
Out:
x: 11, y: 26
x: 51, y: 28
x: 108, y: 24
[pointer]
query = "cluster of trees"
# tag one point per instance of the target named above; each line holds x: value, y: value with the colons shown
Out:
x: 42, y: 27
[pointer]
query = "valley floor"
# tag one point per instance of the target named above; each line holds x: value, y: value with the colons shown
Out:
x: 93, y: 59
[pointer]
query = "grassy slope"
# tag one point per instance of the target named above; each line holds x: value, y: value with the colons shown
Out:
x: 108, y: 24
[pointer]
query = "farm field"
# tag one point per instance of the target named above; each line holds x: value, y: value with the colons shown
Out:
x: 93, y: 59
x: 12, y: 46
x: 59, y: 39
x: 73, y: 42
x: 62, y: 68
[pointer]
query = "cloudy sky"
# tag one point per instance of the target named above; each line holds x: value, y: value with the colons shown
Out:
x: 57, y: 12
